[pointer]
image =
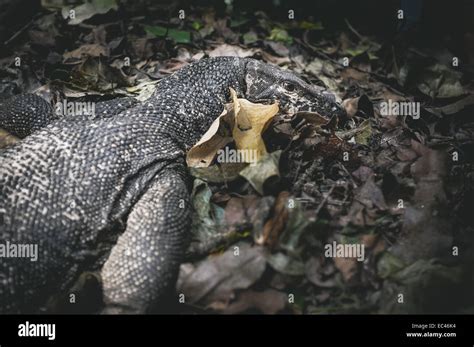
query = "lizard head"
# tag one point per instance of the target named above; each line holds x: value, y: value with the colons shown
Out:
x: 264, y: 81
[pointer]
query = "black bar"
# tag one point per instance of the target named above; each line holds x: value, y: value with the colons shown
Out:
x: 174, y: 329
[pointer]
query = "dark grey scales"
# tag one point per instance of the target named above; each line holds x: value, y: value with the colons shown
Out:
x: 112, y: 193
x: 16, y: 114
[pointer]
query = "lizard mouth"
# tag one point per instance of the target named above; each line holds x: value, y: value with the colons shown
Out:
x: 323, y: 103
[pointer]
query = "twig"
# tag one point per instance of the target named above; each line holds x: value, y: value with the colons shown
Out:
x: 322, y: 203
x: 351, y: 28
x: 354, y: 185
x: 18, y: 33
x: 297, y: 171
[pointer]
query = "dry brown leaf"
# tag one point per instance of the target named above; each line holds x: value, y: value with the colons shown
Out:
x: 227, y: 50
x: 270, y: 58
x: 351, y: 106
x: 217, y: 278
x: 361, y: 104
x: 347, y: 267
x: 87, y: 50
x: 350, y: 73
x: 216, y: 137
x: 6, y: 139
x: 313, y: 118
x: 241, y: 121
x: 251, y: 121
x: 276, y: 225
x: 380, y: 246
x: 369, y: 240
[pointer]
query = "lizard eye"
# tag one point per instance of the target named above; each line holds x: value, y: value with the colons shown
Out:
x: 289, y: 86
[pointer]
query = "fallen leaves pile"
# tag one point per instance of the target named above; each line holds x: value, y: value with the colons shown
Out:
x: 266, y: 238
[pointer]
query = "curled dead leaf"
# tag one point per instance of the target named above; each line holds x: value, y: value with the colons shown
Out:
x: 241, y: 121
x: 251, y: 120
x: 361, y: 104
x: 216, y: 137
x: 87, y: 50
x: 216, y: 278
x: 227, y: 50
x: 276, y: 225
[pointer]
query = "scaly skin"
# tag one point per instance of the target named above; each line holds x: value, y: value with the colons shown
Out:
x: 112, y: 193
